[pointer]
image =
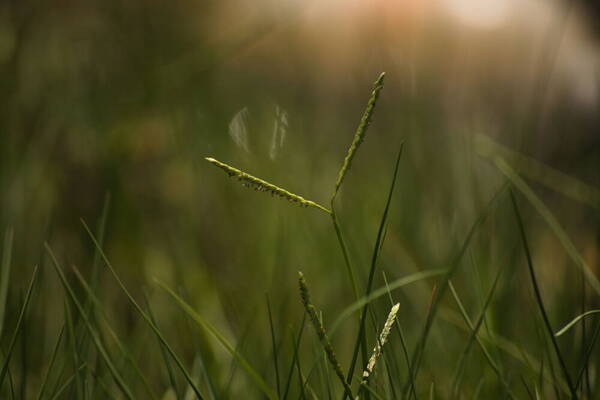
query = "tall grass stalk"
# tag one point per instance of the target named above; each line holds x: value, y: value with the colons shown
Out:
x: 322, y: 335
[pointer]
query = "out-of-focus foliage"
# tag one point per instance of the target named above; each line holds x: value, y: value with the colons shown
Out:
x: 117, y: 103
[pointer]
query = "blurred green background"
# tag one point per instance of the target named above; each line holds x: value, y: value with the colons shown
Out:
x: 115, y: 104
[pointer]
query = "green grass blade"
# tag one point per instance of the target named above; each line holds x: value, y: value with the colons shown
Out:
x: 454, y: 264
x: 473, y: 336
x: 128, y: 356
x: 5, y: 274
x: 163, y: 351
x: 93, y: 333
x: 575, y: 321
x: 198, y: 319
x: 274, y: 346
x: 538, y: 297
x: 547, y: 215
x: 18, y: 327
x: 294, y: 356
x: 361, y: 339
x: 144, y: 316
x: 51, y: 364
x: 539, y: 172
x: 375, y: 294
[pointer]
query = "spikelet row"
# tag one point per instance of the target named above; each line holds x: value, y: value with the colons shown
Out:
x: 382, y: 340
x: 264, y: 186
x: 320, y: 330
x: 359, y: 136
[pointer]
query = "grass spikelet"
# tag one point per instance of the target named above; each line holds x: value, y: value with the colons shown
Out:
x: 320, y: 330
x: 385, y: 332
x: 359, y: 136
x: 263, y: 186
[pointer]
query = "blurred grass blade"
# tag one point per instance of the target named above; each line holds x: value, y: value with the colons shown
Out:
x: 322, y: 335
x: 144, y: 316
x: 539, y: 172
x: 93, y: 333
x: 375, y: 294
x: 198, y: 319
x: 575, y: 321
x: 538, y: 297
x: 543, y: 210
x: 295, y: 355
x: 361, y: 339
x: 122, y: 349
x: 18, y: 327
x: 454, y: 264
x: 51, y: 364
x: 274, y: 346
x: 163, y: 351
x: 5, y: 274
x: 473, y: 336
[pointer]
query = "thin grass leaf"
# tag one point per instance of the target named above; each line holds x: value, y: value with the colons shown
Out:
x: 122, y: 348
x: 163, y: 351
x: 575, y: 321
x: 144, y: 316
x: 361, y: 338
x: 274, y: 346
x: 539, y: 300
x: 5, y: 274
x: 72, y: 341
x: 51, y: 364
x: 293, y: 363
x: 321, y: 334
x: 198, y: 319
x: 68, y: 382
x: 382, y: 291
x: 539, y: 172
x: 454, y: 264
x: 359, y: 135
x: 18, y: 327
x: 473, y: 337
x: 589, y: 352
x: 547, y: 215
x: 93, y: 333
x: 264, y: 186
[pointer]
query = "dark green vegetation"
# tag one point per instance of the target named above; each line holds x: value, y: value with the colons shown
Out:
x: 438, y: 348
x: 130, y: 267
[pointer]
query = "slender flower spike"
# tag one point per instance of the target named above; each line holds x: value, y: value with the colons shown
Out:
x: 359, y: 136
x: 320, y: 330
x: 382, y: 340
x: 264, y: 186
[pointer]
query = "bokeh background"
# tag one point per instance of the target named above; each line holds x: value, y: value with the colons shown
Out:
x: 113, y: 105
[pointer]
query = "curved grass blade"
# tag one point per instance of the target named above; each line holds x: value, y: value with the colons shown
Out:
x: 575, y: 321
x: 547, y: 215
x: 18, y: 327
x: 274, y: 346
x: 52, y: 361
x: 144, y: 316
x: 539, y: 300
x: 473, y: 336
x: 198, y: 319
x: 128, y: 356
x: 418, y: 353
x: 382, y: 291
x: 361, y: 339
x: 295, y: 355
x: 93, y: 333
